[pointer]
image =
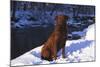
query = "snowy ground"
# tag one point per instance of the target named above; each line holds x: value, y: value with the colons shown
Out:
x: 76, y: 51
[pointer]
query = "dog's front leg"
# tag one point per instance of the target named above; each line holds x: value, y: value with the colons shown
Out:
x: 63, y: 52
x: 54, y: 54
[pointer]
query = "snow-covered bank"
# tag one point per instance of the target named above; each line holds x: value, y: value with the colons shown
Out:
x: 76, y: 51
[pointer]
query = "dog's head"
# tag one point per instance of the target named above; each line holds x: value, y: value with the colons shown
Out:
x: 60, y: 19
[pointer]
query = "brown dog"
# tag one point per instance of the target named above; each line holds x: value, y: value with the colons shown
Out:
x: 56, y: 41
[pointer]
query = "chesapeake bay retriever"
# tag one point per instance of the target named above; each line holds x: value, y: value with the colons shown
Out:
x: 56, y: 41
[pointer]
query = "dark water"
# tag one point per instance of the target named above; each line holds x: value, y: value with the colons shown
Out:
x: 23, y: 40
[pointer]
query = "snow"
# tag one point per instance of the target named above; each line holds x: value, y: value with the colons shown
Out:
x: 80, y: 33
x: 76, y: 51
